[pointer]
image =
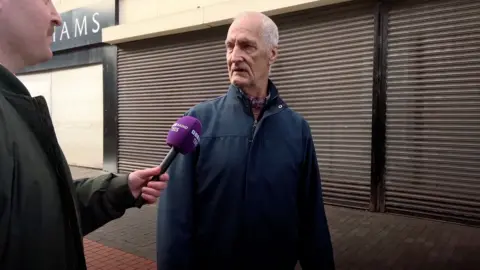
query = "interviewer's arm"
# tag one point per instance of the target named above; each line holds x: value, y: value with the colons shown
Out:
x: 102, y: 199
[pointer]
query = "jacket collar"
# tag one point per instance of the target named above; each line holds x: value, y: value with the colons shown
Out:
x: 10, y: 83
x: 273, y: 103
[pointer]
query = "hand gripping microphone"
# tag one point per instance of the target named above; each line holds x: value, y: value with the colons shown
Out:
x: 183, y: 137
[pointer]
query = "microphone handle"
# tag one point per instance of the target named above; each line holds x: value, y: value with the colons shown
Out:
x: 167, y: 161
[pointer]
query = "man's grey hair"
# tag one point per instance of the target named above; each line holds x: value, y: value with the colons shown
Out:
x: 269, y: 28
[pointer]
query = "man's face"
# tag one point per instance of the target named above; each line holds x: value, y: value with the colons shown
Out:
x: 26, y: 28
x: 248, y: 56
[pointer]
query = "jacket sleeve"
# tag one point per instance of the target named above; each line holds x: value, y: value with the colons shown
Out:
x: 6, y: 186
x: 102, y: 199
x: 316, y: 250
x: 175, y: 215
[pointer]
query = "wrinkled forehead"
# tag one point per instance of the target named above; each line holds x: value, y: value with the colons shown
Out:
x: 244, y: 30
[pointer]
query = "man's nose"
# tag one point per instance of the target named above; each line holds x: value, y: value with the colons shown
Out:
x: 56, y: 18
x: 237, y: 55
x: 57, y: 21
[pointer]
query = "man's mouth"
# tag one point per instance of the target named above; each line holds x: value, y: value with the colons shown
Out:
x: 239, y: 70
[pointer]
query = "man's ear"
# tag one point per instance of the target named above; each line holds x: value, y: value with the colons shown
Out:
x: 273, y: 55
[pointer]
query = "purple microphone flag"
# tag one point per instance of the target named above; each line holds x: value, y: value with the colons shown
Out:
x: 184, y: 135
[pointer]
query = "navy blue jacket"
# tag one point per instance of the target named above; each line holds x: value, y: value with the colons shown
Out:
x: 249, y: 197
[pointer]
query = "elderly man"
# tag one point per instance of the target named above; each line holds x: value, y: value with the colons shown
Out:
x: 250, y: 196
x: 43, y: 213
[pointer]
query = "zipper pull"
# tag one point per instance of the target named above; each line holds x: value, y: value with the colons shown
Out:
x: 250, y: 140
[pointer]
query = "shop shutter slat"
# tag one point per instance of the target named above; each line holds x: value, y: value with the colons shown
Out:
x: 324, y: 72
x: 433, y: 110
x: 158, y: 81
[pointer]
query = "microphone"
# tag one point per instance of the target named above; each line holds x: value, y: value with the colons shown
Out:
x: 183, y: 137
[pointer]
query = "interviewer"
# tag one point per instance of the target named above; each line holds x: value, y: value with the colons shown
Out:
x: 44, y: 214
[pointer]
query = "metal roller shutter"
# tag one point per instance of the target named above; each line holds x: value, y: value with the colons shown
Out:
x: 158, y: 81
x: 324, y: 72
x: 433, y: 110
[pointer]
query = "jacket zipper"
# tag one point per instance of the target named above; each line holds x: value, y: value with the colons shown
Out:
x: 256, y: 124
x: 252, y: 133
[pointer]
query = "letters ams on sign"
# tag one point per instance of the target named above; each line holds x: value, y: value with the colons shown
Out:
x: 83, y: 26
x: 79, y: 28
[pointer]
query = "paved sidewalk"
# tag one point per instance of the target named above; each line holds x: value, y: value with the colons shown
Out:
x: 361, y: 240
x: 110, y: 250
x: 100, y: 257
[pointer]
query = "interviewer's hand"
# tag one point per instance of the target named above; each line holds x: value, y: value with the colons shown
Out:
x: 137, y: 181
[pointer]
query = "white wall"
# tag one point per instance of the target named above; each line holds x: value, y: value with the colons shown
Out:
x: 75, y: 99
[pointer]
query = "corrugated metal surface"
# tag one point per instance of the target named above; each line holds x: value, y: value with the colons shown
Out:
x: 324, y: 72
x: 157, y: 84
x: 433, y: 110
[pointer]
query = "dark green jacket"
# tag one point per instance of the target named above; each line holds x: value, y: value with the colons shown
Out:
x: 44, y: 214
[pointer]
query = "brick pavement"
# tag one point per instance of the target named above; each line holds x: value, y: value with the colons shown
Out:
x: 111, y: 250
x: 361, y: 240
x: 100, y: 257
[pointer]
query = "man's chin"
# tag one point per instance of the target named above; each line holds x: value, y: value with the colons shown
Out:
x: 48, y: 56
x: 240, y: 82
x: 42, y: 58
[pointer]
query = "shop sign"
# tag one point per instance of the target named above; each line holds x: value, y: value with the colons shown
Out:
x: 83, y: 26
